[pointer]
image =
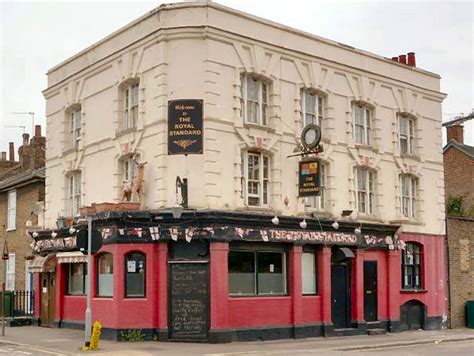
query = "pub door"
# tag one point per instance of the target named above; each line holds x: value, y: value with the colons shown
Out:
x: 370, y: 290
x: 48, y: 298
x: 189, y: 291
x: 340, y: 295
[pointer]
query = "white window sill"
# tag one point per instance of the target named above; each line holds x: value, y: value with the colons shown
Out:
x: 406, y: 221
x: 410, y: 156
x: 11, y: 229
x: 123, y: 132
x: 251, y: 125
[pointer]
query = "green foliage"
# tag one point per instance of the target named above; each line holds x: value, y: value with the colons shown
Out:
x: 156, y: 337
x: 132, y: 335
x: 454, y: 205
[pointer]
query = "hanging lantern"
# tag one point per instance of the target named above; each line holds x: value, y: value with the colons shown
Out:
x: 5, y: 255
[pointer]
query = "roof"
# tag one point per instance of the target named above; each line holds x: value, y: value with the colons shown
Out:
x: 22, y: 179
x: 466, y: 149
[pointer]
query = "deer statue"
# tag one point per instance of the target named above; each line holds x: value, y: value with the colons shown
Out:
x: 137, y: 190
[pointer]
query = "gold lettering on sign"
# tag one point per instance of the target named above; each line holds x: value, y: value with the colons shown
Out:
x: 184, y: 143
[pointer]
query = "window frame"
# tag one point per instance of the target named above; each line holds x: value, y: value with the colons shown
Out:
x: 416, y: 268
x: 411, y: 198
x: 74, y: 193
x: 131, y: 100
x: 75, y: 122
x: 97, y: 272
x: 262, y: 100
x: 84, y: 279
x: 318, y: 112
x: 10, y: 272
x: 366, y: 125
x: 262, y: 182
x: 11, y: 210
x: 367, y: 191
x: 256, y: 252
x: 126, y: 295
x: 409, y: 135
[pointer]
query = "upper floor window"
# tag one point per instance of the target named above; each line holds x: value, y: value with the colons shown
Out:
x: 129, y: 168
x: 74, y: 193
x: 408, y: 187
x: 105, y: 275
x: 135, y: 274
x: 75, y: 127
x: 11, y: 218
x: 365, y: 190
x: 411, y: 266
x: 130, y: 106
x: 311, y: 108
x: 406, y: 134
x: 319, y: 202
x: 361, y: 122
x: 256, y: 178
x: 255, y: 100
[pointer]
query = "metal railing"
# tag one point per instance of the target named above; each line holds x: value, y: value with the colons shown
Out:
x: 19, y: 303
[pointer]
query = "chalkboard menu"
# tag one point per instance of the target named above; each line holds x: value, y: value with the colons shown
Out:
x: 189, y: 301
x: 185, y: 130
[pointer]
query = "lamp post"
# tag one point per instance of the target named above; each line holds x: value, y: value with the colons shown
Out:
x: 88, y: 316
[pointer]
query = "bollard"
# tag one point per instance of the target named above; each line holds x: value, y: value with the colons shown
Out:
x: 95, y: 335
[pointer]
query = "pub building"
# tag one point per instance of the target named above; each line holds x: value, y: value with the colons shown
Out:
x: 247, y: 181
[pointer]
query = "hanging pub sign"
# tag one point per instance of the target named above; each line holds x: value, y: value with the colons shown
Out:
x: 308, y: 178
x: 185, y: 128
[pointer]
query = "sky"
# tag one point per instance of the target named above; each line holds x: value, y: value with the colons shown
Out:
x: 37, y: 35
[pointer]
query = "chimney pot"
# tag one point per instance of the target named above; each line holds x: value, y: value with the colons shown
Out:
x: 11, y: 151
x: 395, y: 59
x: 456, y: 133
x: 411, y: 59
x: 4, y: 156
x: 402, y: 59
x: 37, y: 130
x: 26, y: 139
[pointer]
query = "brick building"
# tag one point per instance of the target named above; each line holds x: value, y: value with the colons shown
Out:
x: 248, y: 257
x: 21, y: 202
x: 459, y: 183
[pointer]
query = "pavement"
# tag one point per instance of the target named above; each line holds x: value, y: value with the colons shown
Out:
x: 33, y: 340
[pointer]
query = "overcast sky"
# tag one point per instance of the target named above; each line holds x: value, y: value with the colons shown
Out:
x: 36, y: 35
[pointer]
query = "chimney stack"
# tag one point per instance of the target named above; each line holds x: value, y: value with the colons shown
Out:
x: 395, y: 59
x: 12, y: 151
x: 402, y: 59
x: 4, y: 156
x: 37, y: 130
x: 26, y: 139
x: 411, y: 59
x: 456, y: 133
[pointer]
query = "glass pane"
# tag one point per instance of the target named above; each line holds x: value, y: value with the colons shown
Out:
x: 135, y: 95
x: 76, y: 280
x: 265, y: 192
x: 308, y: 272
x: 135, y: 275
x: 252, y: 89
x: 359, y: 134
x: 105, y: 275
x: 358, y: 115
x: 361, y: 179
x: 252, y: 111
x: 241, y: 272
x: 271, y: 273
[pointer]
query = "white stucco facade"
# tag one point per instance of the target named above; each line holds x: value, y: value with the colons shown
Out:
x: 201, y: 51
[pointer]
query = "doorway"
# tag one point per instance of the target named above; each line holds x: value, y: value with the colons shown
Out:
x: 48, y: 295
x: 370, y: 291
x: 340, y: 295
x: 412, y: 315
x: 189, y: 291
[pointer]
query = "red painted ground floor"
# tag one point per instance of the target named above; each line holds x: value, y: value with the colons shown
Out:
x: 225, y: 282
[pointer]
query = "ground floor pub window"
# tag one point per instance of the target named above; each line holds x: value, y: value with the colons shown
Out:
x: 76, y: 278
x: 105, y: 275
x: 308, y: 272
x: 257, y: 273
x: 135, y: 275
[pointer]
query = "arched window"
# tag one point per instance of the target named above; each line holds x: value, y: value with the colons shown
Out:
x: 411, y: 267
x: 135, y: 274
x: 105, y: 275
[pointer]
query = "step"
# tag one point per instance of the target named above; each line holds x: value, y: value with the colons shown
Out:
x: 376, y: 331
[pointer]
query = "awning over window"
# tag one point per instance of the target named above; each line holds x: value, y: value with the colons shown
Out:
x: 42, y: 263
x: 71, y: 257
